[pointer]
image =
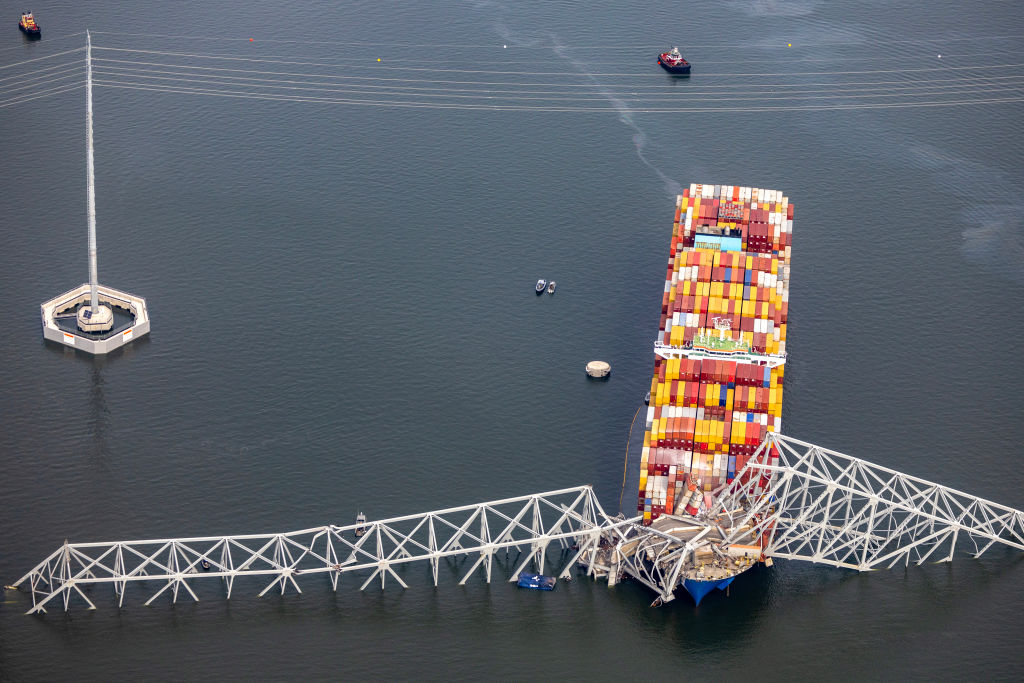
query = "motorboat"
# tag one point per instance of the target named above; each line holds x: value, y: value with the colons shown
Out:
x: 360, y: 524
x: 28, y: 25
x: 551, y: 287
x: 674, y: 63
x: 540, y: 286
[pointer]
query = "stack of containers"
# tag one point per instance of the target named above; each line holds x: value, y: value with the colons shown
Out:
x: 707, y: 417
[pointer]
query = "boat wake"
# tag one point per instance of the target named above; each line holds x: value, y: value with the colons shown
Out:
x: 672, y: 187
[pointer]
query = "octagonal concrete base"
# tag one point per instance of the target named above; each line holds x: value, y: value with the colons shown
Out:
x: 98, y: 342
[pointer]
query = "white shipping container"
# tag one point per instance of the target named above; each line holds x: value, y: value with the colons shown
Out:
x: 693, y: 189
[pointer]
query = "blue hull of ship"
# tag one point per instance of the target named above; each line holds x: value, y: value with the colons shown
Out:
x: 698, y: 589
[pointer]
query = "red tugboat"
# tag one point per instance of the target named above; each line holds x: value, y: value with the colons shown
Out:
x: 674, y: 63
x: 28, y: 25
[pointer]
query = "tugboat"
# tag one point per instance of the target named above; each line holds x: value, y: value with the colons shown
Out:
x: 361, y: 521
x: 551, y: 287
x: 540, y: 286
x: 28, y: 25
x: 674, y: 63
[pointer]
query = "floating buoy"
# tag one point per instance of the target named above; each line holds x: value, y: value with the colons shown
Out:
x: 789, y: 44
x: 598, y: 368
x: 504, y: 47
x: 250, y: 40
x: 378, y: 59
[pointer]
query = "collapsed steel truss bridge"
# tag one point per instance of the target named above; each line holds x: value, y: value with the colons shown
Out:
x: 807, y: 502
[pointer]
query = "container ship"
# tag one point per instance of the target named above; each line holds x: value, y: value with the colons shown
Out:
x: 721, y: 347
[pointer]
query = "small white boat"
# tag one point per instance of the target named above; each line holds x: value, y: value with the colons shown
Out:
x: 540, y: 286
x: 361, y: 521
x: 551, y: 287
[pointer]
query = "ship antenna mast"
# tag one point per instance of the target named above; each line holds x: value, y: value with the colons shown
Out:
x: 93, y: 275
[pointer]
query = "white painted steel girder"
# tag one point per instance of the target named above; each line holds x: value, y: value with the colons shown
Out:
x: 810, y: 503
x: 826, y: 507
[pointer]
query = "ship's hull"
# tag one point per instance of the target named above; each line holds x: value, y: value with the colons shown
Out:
x: 698, y: 589
x: 675, y: 70
x: 31, y: 33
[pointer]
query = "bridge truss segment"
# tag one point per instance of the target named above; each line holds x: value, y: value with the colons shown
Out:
x: 798, y: 501
x: 822, y: 506
x: 571, y: 518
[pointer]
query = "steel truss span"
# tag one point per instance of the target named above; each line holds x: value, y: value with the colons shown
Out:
x: 570, y: 518
x: 798, y: 501
x: 793, y: 500
x: 830, y: 508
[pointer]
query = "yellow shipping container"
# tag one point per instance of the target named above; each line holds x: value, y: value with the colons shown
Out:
x: 729, y: 399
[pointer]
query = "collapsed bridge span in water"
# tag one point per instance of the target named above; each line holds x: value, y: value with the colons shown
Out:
x: 800, y: 502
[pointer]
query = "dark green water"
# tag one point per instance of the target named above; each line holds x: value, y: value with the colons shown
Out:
x: 343, y: 319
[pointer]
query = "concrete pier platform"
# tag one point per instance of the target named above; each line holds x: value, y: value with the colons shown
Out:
x: 131, y: 319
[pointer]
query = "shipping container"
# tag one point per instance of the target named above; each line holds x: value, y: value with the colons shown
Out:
x: 725, y: 312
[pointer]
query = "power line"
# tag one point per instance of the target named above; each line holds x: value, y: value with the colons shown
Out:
x: 688, y: 86
x: 730, y: 46
x: 23, y: 74
x: 37, y: 83
x: 519, y: 95
x: 30, y: 96
x: 548, y: 108
x: 55, y: 54
x: 575, y: 74
x: 948, y: 84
